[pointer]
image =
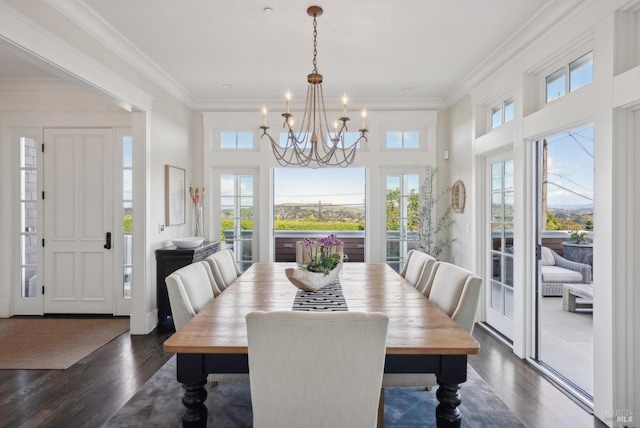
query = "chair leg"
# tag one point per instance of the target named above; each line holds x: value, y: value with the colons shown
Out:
x: 381, y: 409
x: 428, y: 388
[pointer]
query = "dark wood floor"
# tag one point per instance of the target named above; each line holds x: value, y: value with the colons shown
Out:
x: 532, y: 398
x: 89, y: 393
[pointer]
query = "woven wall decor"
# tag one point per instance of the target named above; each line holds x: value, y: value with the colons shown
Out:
x: 458, y: 195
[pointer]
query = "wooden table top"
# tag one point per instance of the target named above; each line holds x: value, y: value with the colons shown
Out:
x: 416, y: 326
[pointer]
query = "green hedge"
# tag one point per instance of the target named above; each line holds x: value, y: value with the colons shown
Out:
x: 128, y: 222
x: 227, y: 224
x: 317, y: 225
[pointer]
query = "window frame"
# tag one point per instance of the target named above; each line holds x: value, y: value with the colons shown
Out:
x: 421, y: 139
x: 403, y: 240
x: 237, y: 133
x: 216, y: 219
x: 502, y: 107
x: 565, y: 72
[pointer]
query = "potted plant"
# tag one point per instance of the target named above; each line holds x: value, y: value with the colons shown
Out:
x: 579, y: 247
x: 325, y: 261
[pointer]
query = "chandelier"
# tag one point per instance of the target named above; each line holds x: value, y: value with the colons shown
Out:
x: 315, y: 145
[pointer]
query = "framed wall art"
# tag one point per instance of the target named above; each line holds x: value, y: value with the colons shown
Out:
x: 174, y: 198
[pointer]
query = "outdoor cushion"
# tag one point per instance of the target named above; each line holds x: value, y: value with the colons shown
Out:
x: 546, y: 258
x: 558, y: 274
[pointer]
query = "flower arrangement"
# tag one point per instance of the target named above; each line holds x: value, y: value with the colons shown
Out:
x: 323, y: 253
x: 197, y: 200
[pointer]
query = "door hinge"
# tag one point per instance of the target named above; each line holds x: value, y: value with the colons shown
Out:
x: 42, y: 147
x: 43, y: 242
x: 43, y: 290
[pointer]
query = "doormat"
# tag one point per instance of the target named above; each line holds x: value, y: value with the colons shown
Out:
x: 54, y: 343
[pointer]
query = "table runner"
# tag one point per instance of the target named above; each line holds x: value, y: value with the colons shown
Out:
x: 326, y: 299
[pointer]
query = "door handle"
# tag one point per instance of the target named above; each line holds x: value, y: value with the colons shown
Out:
x: 108, y: 244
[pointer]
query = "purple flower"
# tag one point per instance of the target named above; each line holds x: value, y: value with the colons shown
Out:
x: 323, y: 253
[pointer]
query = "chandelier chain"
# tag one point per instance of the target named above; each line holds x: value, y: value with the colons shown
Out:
x: 315, y: 44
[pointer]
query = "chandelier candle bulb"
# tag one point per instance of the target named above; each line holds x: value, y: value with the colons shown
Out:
x: 364, y: 119
x: 288, y: 97
x: 344, y: 105
x: 264, y: 116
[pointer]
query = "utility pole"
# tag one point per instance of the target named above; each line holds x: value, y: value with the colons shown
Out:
x: 543, y: 226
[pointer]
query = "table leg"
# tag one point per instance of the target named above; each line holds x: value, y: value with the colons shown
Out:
x: 193, y: 377
x: 568, y: 300
x: 195, y: 414
x: 452, y: 373
x: 447, y: 412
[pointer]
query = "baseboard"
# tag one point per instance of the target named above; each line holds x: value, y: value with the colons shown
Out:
x: 496, y: 335
x: 5, y: 308
x: 149, y: 322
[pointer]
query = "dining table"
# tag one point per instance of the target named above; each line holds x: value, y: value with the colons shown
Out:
x: 421, y: 338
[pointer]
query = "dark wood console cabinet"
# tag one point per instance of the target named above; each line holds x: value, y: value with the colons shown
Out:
x: 170, y: 259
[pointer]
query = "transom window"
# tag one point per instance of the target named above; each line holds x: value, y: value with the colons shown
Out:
x: 502, y: 113
x: 236, y: 140
x: 403, y: 140
x: 575, y: 75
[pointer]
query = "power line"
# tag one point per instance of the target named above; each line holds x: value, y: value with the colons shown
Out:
x: 568, y: 179
x: 570, y: 191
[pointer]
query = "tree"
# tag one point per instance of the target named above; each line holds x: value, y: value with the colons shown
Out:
x: 393, y: 209
x: 433, y: 226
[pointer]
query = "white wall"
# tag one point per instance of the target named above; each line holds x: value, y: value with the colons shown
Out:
x: 162, y: 125
x: 611, y: 31
x: 461, y: 168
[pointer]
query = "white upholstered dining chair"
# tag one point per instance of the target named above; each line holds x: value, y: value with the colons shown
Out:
x: 417, y: 268
x: 315, y: 369
x: 456, y: 291
x: 190, y: 289
x: 224, y: 268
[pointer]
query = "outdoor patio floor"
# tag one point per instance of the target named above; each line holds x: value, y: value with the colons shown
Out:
x: 566, y: 343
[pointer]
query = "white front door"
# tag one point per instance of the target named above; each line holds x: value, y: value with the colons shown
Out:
x: 78, y: 220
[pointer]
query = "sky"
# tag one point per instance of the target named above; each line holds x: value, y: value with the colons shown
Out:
x: 345, y: 186
x: 570, y: 168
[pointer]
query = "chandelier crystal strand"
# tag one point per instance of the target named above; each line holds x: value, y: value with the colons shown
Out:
x: 314, y: 145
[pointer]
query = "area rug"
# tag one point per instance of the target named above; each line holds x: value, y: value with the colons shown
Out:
x: 54, y: 343
x: 158, y: 404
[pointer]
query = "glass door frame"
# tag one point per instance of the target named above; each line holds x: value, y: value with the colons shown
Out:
x: 497, y: 320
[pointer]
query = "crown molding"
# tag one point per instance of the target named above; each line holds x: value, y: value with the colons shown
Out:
x: 550, y: 15
x: 31, y: 41
x: 386, y: 104
x: 91, y: 22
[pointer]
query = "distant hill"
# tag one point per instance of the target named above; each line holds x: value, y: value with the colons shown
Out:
x: 320, y: 211
x: 572, y: 207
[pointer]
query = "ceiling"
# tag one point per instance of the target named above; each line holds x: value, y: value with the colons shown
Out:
x: 377, y: 51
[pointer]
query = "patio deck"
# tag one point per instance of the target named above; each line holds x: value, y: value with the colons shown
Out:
x: 566, y: 342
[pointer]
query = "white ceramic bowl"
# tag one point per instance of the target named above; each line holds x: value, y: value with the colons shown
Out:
x: 192, y: 242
